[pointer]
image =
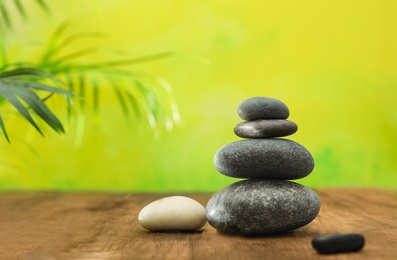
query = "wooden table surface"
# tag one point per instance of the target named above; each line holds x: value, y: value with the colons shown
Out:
x: 55, y: 225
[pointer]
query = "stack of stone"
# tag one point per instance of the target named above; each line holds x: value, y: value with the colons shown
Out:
x: 266, y: 203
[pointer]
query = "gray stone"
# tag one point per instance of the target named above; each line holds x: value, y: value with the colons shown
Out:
x: 273, y: 158
x: 263, y: 108
x: 265, y: 128
x: 261, y: 207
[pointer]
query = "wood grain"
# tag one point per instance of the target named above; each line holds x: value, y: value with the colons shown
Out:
x: 55, y: 225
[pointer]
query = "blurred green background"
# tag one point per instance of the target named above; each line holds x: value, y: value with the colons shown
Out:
x: 334, y: 63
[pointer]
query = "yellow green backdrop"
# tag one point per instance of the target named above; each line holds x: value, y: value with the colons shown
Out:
x: 332, y: 62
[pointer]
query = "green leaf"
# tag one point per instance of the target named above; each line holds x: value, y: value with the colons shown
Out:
x: 43, y: 6
x: 122, y: 102
x: 95, y: 100
x: 134, y: 104
x: 151, y: 104
x: 69, y: 102
x: 135, y: 92
x: 157, y: 56
x: 44, y: 87
x: 75, y: 55
x: 3, y: 129
x: 13, y: 90
x: 170, y: 99
x: 24, y: 77
x: 82, y: 89
x: 75, y: 37
x: 27, y: 72
x: 21, y: 9
x: 5, y: 15
x: 38, y: 106
x: 8, y: 94
x: 51, y: 47
x: 3, y: 54
x: 56, y: 45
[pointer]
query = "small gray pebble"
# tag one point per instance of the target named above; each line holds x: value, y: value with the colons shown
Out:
x: 265, y: 128
x: 263, y: 108
x: 261, y: 207
x: 273, y: 158
x: 338, y: 243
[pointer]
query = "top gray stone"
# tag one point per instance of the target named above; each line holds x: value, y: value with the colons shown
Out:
x: 263, y: 108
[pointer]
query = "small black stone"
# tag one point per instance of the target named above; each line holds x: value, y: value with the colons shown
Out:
x: 265, y: 128
x: 339, y: 243
x: 263, y: 108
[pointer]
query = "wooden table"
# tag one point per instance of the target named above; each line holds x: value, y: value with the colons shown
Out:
x: 55, y: 225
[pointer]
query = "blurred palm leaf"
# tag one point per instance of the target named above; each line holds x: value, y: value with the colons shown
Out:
x: 18, y: 87
x: 141, y: 96
x: 7, y: 6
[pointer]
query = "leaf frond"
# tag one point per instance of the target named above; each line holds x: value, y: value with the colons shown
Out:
x: 44, y: 87
x: 95, y: 100
x: 43, y: 6
x: 21, y: 9
x: 5, y: 16
x: 8, y: 93
x: 27, y: 72
x: 123, y: 104
x: 38, y: 106
x: 77, y: 36
x: 148, y: 58
x: 20, y: 85
x: 75, y: 55
x: 51, y: 46
x: 3, y: 129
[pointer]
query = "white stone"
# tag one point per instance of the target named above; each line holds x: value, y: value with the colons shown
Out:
x: 172, y: 213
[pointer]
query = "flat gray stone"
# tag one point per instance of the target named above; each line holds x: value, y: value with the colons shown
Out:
x: 265, y: 128
x: 263, y: 108
x: 273, y: 158
x: 262, y: 207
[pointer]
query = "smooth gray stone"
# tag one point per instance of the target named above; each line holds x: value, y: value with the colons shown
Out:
x: 273, y: 158
x: 261, y: 207
x: 263, y: 108
x: 265, y: 128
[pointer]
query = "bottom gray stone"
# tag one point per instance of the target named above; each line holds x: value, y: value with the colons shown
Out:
x: 261, y: 207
